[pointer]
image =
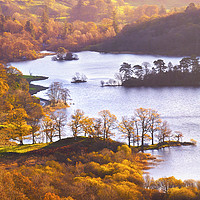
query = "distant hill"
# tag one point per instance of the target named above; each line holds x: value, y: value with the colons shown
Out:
x: 176, y: 34
x: 167, y: 3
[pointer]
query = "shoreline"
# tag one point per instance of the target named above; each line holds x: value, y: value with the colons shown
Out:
x: 139, y: 53
x: 164, y: 145
x: 34, y: 89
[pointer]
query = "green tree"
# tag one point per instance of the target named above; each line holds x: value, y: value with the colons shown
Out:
x: 126, y: 70
x: 160, y: 65
x: 138, y: 71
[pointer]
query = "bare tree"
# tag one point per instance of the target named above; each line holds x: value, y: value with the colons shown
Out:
x: 102, y: 83
x: 59, y: 119
x: 119, y: 77
x: 178, y: 135
x: 98, y: 126
x: 47, y: 126
x: 54, y: 92
x: 57, y: 93
x: 147, y: 67
x: 164, y: 132
x: 65, y: 94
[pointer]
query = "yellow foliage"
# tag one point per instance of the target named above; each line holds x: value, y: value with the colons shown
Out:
x: 125, y: 149
x: 51, y: 196
x: 181, y: 194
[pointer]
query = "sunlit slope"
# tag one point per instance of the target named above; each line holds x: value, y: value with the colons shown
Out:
x: 177, y: 34
x: 167, y: 3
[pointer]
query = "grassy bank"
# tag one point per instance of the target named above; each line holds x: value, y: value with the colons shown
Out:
x: 165, y: 144
x: 22, y: 148
x: 33, y: 89
x: 70, y: 145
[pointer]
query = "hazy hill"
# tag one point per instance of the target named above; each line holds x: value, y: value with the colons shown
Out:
x: 176, y: 34
x: 166, y: 3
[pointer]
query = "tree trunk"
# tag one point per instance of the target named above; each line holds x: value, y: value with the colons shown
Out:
x: 59, y: 133
x: 152, y: 138
x: 129, y: 140
x: 137, y: 134
x: 21, y: 141
x: 33, y: 135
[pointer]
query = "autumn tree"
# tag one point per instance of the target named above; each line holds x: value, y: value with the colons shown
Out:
x: 108, y: 123
x: 154, y: 123
x: 75, y: 123
x: 87, y: 125
x: 176, y: 193
x: 142, y: 116
x: 30, y: 28
x: 115, y: 21
x: 3, y: 81
x: 165, y: 184
x: 61, y: 52
x: 126, y: 127
x: 98, y: 126
x: 16, y: 124
x: 48, y: 127
x: 35, y: 113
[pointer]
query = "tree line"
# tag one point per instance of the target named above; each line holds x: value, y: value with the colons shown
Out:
x: 140, y: 129
x: 145, y: 125
x: 23, y: 117
x: 186, y: 73
x: 175, y: 34
x: 74, y: 25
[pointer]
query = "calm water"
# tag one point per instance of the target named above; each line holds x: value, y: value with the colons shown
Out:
x: 179, y: 106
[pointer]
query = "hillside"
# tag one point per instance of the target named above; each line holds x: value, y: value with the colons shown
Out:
x: 27, y: 26
x: 177, y: 34
x: 84, y: 169
x: 167, y: 3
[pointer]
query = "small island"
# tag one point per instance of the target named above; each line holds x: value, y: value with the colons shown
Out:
x: 185, y: 74
x: 63, y: 54
x: 79, y: 78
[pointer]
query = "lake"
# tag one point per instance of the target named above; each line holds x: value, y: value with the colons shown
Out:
x: 178, y: 105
